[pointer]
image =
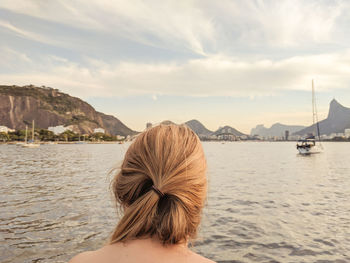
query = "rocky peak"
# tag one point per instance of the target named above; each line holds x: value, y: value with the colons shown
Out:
x: 337, y: 121
x: 198, y: 128
x: 336, y: 109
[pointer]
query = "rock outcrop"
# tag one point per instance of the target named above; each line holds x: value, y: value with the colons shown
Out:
x: 228, y: 130
x: 337, y: 121
x: 198, y: 128
x: 50, y: 107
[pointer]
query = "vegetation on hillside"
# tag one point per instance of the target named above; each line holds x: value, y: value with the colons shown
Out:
x: 46, y: 135
x: 59, y: 109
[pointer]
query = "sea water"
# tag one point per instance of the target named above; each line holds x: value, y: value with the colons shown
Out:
x: 265, y: 202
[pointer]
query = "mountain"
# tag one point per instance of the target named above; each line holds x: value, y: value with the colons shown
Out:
x: 337, y: 121
x: 276, y: 129
x: 228, y: 129
x: 198, y: 128
x: 167, y: 122
x: 50, y: 107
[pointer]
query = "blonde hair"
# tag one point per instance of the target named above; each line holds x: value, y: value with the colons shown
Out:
x: 161, y: 186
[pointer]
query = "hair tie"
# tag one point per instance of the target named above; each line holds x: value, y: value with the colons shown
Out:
x: 160, y: 193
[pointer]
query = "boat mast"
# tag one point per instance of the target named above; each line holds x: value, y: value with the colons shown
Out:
x: 314, y: 113
x: 313, y: 104
x: 26, y: 138
x: 33, y: 131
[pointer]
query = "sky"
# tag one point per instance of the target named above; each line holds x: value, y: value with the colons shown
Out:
x: 227, y: 62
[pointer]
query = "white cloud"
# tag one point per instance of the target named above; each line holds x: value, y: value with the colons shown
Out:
x: 211, y: 29
x: 11, y: 56
x: 203, y: 27
x: 282, y: 23
x: 26, y: 34
x: 210, y: 76
x: 166, y: 24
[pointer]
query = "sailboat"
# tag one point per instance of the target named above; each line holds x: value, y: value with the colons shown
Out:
x: 31, y: 144
x: 309, y: 145
x: 81, y: 142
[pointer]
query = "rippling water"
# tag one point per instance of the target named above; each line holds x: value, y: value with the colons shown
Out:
x: 265, y: 202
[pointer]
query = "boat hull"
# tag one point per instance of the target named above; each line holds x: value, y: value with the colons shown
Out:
x: 309, y: 150
x: 30, y: 145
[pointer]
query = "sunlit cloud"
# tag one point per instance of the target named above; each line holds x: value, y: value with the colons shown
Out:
x: 26, y: 34
x: 282, y: 23
x: 165, y: 24
x: 195, y: 49
x: 210, y: 76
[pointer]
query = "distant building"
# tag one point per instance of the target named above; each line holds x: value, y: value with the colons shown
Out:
x: 6, y: 129
x: 58, y: 129
x: 334, y: 135
x: 148, y: 125
x: 286, y: 135
x: 347, y: 133
x: 120, y: 137
x: 99, y: 130
x: 227, y: 137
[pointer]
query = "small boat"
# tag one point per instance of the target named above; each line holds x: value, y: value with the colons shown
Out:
x: 51, y: 143
x: 30, y: 144
x: 81, y: 142
x: 309, y: 145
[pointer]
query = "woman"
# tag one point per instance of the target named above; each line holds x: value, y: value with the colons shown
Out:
x: 161, y: 188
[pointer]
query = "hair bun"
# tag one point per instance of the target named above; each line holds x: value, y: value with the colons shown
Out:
x: 168, y: 160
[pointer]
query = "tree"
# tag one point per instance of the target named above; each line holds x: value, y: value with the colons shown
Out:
x: 69, y: 136
x: 46, y: 135
x: 4, y: 137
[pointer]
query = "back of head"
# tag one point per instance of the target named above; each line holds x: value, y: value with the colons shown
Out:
x: 161, y: 186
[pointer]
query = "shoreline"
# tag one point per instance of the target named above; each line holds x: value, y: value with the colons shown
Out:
x: 54, y: 143
x: 119, y: 142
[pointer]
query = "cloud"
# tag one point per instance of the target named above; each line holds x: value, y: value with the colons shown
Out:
x: 11, y: 56
x: 201, y: 27
x: 165, y: 24
x: 238, y: 48
x: 210, y: 76
x: 26, y: 34
x: 286, y: 23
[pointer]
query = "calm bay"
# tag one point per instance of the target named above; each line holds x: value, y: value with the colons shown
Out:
x: 265, y: 202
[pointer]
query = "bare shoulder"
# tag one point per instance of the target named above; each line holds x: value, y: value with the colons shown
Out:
x: 86, y: 257
x: 205, y: 260
x: 105, y: 254
x: 200, y: 259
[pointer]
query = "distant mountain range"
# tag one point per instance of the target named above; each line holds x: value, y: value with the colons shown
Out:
x: 50, y: 107
x: 276, y: 129
x: 337, y: 121
x: 203, y: 132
